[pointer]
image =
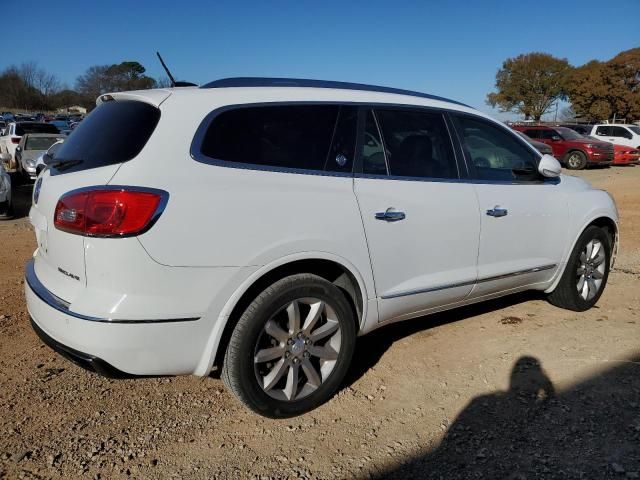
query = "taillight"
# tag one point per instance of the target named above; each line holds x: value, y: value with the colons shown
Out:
x: 109, y: 212
x: 15, y: 140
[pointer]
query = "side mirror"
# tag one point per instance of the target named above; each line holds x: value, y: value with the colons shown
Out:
x: 549, y: 167
x: 47, y: 159
x: 18, y: 149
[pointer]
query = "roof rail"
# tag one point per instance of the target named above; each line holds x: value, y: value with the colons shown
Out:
x: 302, y: 82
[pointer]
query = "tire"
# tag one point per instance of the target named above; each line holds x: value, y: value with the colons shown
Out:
x: 253, y: 381
x: 576, y: 160
x: 567, y: 294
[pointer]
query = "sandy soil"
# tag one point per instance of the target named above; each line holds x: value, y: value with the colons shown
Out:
x: 509, y: 389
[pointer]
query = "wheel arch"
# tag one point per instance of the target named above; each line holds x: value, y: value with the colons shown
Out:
x: 607, y: 223
x: 332, y: 268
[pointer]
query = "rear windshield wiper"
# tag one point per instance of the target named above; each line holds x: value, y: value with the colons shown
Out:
x: 65, y: 164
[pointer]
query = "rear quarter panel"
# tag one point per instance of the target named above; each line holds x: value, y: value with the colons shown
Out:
x: 219, y: 216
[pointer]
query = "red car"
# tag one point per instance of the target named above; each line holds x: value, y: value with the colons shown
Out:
x: 570, y: 148
x: 625, y: 155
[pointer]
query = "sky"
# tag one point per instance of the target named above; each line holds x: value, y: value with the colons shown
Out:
x: 447, y: 48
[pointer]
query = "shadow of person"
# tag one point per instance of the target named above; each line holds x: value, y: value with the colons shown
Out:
x: 589, y: 430
x: 492, y: 436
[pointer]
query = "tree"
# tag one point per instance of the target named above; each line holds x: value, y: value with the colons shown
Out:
x: 530, y: 84
x: 100, y: 79
x: 603, y: 90
x: 567, y: 114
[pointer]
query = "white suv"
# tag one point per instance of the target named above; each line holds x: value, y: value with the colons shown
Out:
x: 258, y: 226
x: 618, y: 133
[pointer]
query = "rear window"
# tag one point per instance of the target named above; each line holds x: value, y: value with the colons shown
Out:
x: 309, y: 137
x: 114, y: 132
x: 24, y: 128
x: 40, y: 143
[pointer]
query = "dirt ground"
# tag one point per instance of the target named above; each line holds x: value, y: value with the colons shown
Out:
x: 512, y: 389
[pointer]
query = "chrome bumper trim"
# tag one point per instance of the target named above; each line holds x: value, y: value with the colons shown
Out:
x: 62, y: 306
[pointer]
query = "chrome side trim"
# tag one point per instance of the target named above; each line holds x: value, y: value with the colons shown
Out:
x: 466, y: 284
x: 62, y: 306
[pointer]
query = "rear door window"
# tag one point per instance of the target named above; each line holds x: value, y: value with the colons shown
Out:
x: 548, y: 134
x: 114, y: 132
x: 416, y: 144
x: 307, y: 137
x: 621, y: 132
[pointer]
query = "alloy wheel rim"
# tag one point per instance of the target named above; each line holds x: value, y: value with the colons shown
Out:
x: 591, y: 270
x: 574, y: 160
x: 297, y: 349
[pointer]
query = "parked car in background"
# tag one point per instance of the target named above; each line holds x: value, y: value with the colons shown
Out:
x: 569, y: 147
x: 619, y: 133
x: 446, y: 219
x: 61, y: 125
x: 46, y: 158
x: 8, y: 117
x: 581, y: 128
x: 624, y: 155
x: 6, y: 199
x: 543, y: 148
x: 31, y: 146
x: 14, y: 132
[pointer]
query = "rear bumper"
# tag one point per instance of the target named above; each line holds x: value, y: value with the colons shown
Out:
x: 111, y: 348
x: 84, y: 360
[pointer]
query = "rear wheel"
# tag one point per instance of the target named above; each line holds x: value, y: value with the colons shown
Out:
x: 576, y: 160
x: 586, y: 273
x: 291, y: 348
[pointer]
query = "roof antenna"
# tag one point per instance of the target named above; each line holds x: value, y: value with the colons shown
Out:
x: 173, y: 81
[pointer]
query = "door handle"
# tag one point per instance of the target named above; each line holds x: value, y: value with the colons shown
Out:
x: 390, y: 215
x: 497, y: 212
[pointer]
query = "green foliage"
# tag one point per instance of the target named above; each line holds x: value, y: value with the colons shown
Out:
x: 530, y: 84
x: 124, y: 76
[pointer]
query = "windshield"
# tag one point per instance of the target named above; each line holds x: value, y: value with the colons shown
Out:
x: 568, y: 134
x: 40, y: 143
x: 635, y: 130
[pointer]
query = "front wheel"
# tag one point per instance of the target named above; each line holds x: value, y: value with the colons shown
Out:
x: 586, y: 272
x: 291, y: 348
x: 576, y: 160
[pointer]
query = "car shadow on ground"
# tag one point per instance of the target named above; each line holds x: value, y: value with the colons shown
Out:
x: 591, y: 431
x: 371, y: 347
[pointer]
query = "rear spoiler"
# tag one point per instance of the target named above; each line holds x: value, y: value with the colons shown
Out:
x: 153, y: 97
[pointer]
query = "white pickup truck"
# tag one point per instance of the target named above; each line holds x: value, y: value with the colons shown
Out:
x: 618, y: 133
